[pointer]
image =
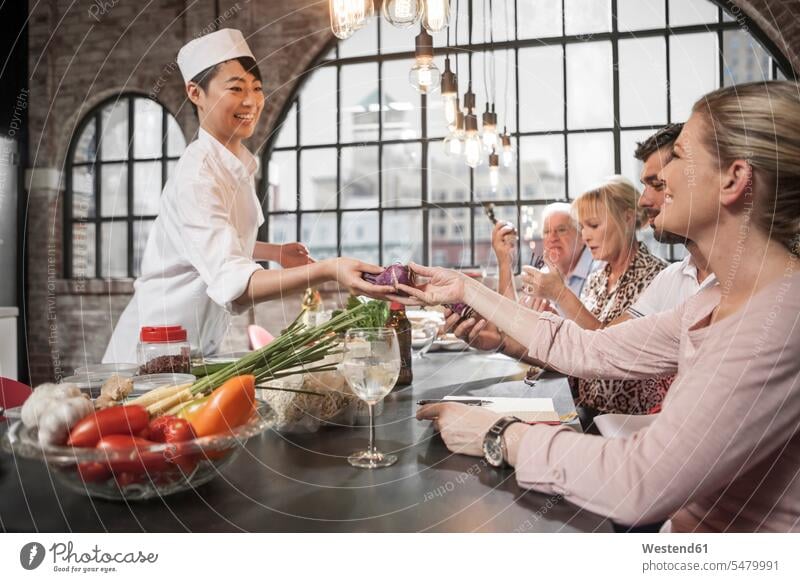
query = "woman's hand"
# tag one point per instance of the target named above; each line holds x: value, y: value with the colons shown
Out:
x: 475, y: 332
x: 538, y: 304
x: 293, y: 254
x: 462, y: 427
x: 504, y: 242
x: 348, y: 273
x: 442, y: 286
x: 548, y: 285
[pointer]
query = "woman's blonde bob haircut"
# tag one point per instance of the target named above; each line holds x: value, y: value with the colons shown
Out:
x: 616, y: 198
x: 760, y: 124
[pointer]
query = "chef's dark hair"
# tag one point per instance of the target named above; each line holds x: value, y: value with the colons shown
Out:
x: 203, y: 78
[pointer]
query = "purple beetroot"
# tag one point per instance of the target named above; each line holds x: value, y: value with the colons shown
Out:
x: 399, y: 273
x: 392, y: 275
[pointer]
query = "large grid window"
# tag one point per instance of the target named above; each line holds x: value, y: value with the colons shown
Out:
x: 357, y: 166
x: 119, y: 161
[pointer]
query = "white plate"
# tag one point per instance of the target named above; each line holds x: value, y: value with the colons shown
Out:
x: 449, y: 345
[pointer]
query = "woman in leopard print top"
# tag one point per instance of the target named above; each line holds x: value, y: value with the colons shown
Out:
x: 609, y: 219
x: 607, y: 302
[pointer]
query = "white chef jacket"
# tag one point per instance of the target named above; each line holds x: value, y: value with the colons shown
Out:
x: 671, y: 287
x: 199, y: 255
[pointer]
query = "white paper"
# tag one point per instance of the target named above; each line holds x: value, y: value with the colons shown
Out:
x: 527, y: 409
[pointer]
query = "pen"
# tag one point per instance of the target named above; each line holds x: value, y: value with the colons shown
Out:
x: 468, y: 402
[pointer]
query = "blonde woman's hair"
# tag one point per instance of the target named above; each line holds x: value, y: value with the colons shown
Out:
x: 760, y: 123
x: 614, y: 198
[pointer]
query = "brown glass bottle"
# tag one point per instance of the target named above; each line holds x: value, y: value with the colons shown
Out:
x: 402, y: 327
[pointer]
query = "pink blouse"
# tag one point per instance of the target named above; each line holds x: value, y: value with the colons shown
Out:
x: 723, y: 455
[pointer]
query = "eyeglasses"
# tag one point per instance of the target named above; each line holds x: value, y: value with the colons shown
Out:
x: 561, y: 231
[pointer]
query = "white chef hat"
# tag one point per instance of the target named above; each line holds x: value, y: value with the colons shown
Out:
x: 206, y: 51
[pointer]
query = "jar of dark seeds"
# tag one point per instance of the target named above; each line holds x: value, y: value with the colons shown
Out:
x: 164, y: 350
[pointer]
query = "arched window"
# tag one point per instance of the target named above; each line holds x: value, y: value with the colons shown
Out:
x: 357, y: 166
x: 120, y: 158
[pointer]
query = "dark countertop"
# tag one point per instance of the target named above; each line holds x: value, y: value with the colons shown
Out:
x: 302, y: 483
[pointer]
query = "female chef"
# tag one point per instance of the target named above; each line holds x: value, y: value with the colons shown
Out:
x: 199, y: 265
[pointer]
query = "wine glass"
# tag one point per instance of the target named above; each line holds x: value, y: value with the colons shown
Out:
x: 371, y: 365
x: 429, y: 329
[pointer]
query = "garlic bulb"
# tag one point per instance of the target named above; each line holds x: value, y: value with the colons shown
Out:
x: 60, y: 416
x: 41, y: 399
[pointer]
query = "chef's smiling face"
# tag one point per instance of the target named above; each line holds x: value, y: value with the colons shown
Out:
x: 231, y: 106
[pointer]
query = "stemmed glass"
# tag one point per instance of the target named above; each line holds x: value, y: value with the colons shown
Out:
x: 371, y: 365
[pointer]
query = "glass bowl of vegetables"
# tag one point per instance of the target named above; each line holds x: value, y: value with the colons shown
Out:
x: 132, y: 468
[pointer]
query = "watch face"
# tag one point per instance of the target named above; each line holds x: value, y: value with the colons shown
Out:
x: 493, y: 451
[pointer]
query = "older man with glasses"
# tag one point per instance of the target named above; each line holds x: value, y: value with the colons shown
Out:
x: 564, y: 248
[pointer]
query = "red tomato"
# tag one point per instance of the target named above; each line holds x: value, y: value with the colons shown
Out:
x: 94, y: 472
x: 122, y: 420
x: 170, y: 429
x: 135, y: 460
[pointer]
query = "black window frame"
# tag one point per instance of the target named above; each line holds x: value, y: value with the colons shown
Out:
x: 95, y: 115
x: 778, y: 63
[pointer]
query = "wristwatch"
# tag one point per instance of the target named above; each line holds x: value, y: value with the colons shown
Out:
x: 494, y: 448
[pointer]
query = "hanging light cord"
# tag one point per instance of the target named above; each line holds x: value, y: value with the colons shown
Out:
x: 508, y: 71
x: 485, y: 63
x: 493, y: 82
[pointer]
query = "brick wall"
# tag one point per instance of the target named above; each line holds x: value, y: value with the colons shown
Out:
x: 84, y: 51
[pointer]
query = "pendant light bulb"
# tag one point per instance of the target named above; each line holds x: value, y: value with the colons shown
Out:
x: 402, y: 13
x: 424, y: 75
x: 508, y: 150
x: 436, y: 15
x: 494, y: 170
x: 472, y: 141
x: 489, y: 128
x: 449, y: 94
x: 469, y: 101
x: 341, y: 19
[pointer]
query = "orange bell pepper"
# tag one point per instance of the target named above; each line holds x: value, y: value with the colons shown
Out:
x: 229, y: 406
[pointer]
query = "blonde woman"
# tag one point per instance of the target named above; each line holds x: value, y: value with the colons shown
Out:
x: 609, y: 220
x: 723, y: 455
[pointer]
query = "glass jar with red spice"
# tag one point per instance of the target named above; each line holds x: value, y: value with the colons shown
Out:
x: 164, y: 350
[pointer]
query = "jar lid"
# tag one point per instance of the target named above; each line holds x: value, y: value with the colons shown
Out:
x: 162, y: 334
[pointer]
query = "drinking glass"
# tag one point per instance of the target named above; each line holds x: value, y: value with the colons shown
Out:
x: 430, y: 330
x: 371, y: 365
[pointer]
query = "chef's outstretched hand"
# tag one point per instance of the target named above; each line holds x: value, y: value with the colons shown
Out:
x: 434, y: 286
x: 348, y: 273
x: 293, y: 254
